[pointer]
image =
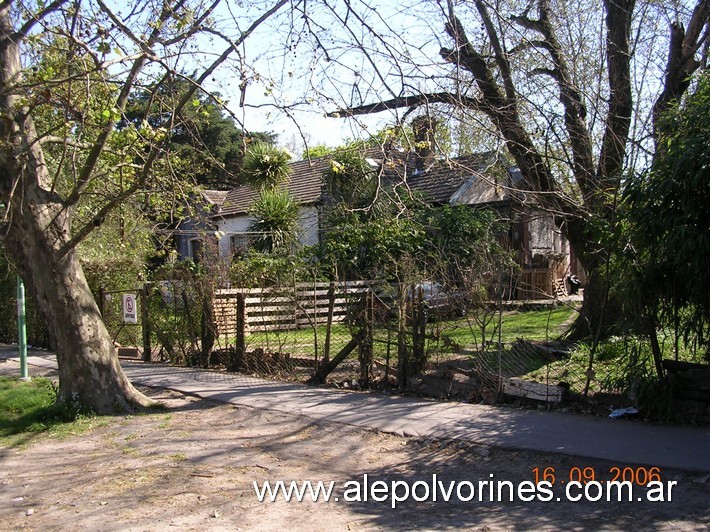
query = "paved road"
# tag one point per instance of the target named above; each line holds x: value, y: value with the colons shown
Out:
x: 622, y: 441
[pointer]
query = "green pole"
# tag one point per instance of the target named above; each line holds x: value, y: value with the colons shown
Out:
x: 22, y: 329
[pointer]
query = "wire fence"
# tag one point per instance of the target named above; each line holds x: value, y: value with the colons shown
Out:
x: 366, y: 334
x: 414, y: 337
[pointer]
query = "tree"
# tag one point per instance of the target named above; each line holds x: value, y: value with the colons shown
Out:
x: 266, y: 166
x: 42, y: 196
x: 275, y: 222
x: 567, y: 127
x: 666, y: 247
x: 204, y: 142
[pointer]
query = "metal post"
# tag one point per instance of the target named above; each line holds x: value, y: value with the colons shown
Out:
x: 22, y: 329
x: 145, y: 322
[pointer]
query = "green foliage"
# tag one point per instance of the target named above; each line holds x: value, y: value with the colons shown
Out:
x: 114, y: 255
x: 204, y: 142
x: 358, y: 246
x: 181, y: 309
x: 28, y: 408
x: 266, y: 166
x: 350, y: 179
x: 275, y: 221
x: 319, y: 150
x: 463, y: 243
x: 175, y: 310
x: 667, y: 212
x: 261, y: 270
x: 37, y: 334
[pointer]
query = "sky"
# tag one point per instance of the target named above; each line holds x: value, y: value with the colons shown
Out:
x: 285, y: 67
x: 338, y: 57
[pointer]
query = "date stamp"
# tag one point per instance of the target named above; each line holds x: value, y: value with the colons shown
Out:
x: 640, y: 476
x: 613, y: 483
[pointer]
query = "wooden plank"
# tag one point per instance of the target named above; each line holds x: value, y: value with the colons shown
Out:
x: 273, y: 327
x: 533, y: 390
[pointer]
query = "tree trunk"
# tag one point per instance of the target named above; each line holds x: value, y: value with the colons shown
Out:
x: 600, y: 312
x: 89, y: 371
x: 36, y: 237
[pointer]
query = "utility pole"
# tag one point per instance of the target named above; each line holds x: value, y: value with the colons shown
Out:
x: 22, y: 329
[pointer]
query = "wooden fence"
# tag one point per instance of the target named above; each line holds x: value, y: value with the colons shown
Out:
x: 535, y: 283
x: 284, y: 308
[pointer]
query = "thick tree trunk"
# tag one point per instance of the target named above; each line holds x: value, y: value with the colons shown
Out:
x: 36, y: 237
x: 89, y: 370
x: 600, y: 313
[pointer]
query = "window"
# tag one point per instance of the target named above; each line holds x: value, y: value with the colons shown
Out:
x: 240, y: 243
x: 196, y: 247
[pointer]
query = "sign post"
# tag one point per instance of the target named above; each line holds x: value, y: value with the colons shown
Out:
x: 130, y: 315
x: 22, y: 329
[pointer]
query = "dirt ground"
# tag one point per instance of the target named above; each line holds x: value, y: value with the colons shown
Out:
x: 191, y: 467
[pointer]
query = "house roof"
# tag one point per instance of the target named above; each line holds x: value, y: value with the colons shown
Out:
x: 467, y: 180
x: 304, y: 186
x: 214, y: 197
x: 475, y: 179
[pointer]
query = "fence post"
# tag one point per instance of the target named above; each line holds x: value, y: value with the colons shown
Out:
x: 418, y: 330
x: 102, y: 297
x: 402, y: 354
x: 365, y: 348
x: 329, y: 322
x: 237, y: 362
x: 147, y: 350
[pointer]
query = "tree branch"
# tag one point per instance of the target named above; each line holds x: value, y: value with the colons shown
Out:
x: 156, y: 149
x: 407, y: 101
x: 618, y: 121
x: 571, y: 99
x: 25, y: 30
x: 681, y: 64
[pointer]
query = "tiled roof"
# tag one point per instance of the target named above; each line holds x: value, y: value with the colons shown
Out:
x: 214, y: 197
x: 304, y: 186
x: 470, y: 179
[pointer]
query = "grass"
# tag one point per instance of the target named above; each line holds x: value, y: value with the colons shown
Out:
x: 544, y: 324
x: 443, y: 336
x: 28, y: 409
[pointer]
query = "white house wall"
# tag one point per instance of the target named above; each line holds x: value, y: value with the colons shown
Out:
x: 235, y: 225
x: 231, y: 226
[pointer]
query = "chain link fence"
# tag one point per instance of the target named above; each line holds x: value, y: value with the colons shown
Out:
x: 415, y: 337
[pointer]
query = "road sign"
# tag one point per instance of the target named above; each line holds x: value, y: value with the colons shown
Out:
x: 130, y: 314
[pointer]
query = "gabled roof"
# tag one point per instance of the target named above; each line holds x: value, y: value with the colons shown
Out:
x: 467, y: 180
x: 304, y: 186
x: 214, y: 197
x: 475, y: 179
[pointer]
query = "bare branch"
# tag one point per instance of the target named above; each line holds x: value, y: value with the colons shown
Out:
x: 25, y: 30
x: 407, y: 101
x: 681, y: 64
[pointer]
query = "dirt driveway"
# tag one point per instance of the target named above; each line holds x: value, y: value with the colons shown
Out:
x: 192, y: 467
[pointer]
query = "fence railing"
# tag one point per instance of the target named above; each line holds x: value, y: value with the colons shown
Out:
x: 360, y: 334
x: 284, y: 308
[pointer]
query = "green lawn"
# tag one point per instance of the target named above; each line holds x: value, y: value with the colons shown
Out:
x: 444, y: 336
x: 544, y: 324
x: 28, y: 409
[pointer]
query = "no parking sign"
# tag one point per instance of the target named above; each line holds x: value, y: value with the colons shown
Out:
x: 130, y: 314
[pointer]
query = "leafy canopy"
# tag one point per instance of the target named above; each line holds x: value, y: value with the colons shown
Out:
x: 667, y: 211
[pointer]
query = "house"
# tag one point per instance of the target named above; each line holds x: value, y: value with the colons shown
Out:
x: 479, y: 181
x: 543, y: 253
x: 227, y: 214
x: 198, y: 227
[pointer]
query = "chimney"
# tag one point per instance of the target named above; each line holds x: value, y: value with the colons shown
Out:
x: 424, y: 128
